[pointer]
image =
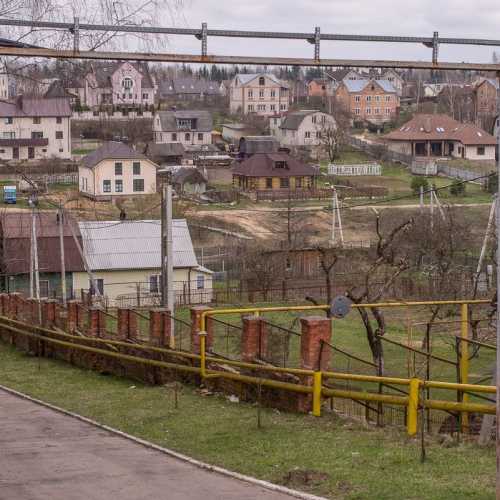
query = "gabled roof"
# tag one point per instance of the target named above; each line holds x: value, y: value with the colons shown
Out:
x: 359, y: 85
x: 31, y: 106
x: 109, y: 151
x: 293, y: 119
x: 424, y: 127
x: 129, y: 245
x: 246, y: 78
x: 163, y: 150
x: 189, y: 85
x: 168, y: 120
x: 339, y: 74
x: 262, y: 165
x: 56, y: 89
x: 252, y: 144
x: 103, y: 73
x: 187, y: 174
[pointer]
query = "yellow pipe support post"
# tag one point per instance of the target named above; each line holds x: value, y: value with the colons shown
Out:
x: 203, y: 354
x: 317, y: 383
x: 464, y: 360
x: 412, y: 418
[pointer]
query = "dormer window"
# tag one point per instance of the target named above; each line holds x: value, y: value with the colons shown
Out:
x: 127, y: 83
x: 262, y: 80
x: 280, y: 164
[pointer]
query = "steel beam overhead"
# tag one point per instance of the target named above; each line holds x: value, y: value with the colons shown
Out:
x: 214, y: 59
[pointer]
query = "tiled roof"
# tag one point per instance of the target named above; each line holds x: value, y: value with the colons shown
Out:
x: 168, y: 120
x: 104, y: 73
x: 43, y: 107
x: 262, y: 165
x: 128, y: 245
x: 111, y: 150
x: 424, y: 127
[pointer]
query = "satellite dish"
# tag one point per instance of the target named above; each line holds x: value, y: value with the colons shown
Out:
x: 340, y: 307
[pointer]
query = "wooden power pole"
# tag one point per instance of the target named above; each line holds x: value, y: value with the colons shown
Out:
x: 60, y: 221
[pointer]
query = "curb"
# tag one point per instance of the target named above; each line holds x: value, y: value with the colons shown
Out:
x: 179, y: 456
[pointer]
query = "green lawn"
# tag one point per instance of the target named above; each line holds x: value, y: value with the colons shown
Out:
x: 346, y: 460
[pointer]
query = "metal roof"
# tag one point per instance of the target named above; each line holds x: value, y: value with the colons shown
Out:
x: 128, y: 245
x: 111, y: 150
x: 27, y: 107
x: 359, y: 85
x: 246, y: 78
x: 168, y: 120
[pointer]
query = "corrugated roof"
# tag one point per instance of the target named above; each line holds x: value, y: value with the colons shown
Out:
x: 246, y: 78
x: 359, y: 85
x: 252, y: 144
x: 44, y: 107
x: 164, y: 150
x: 263, y: 165
x: 168, y: 120
x: 293, y: 119
x: 427, y: 127
x: 128, y: 245
x: 16, y: 235
x: 111, y: 150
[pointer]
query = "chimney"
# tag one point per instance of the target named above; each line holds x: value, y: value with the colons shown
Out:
x: 427, y: 124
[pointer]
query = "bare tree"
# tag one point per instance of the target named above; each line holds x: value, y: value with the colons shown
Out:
x: 334, y: 137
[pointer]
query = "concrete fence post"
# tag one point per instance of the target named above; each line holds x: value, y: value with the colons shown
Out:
x: 253, y: 338
x: 159, y: 327
x: 196, y: 313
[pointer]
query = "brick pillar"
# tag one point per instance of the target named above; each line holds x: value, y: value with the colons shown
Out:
x: 159, y: 327
x: 253, y: 338
x: 314, y: 330
x: 72, y: 317
x: 29, y: 312
x: 4, y: 302
x: 49, y: 313
x: 13, y: 309
x: 96, y: 322
x: 127, y: 323
x: 195, y: 328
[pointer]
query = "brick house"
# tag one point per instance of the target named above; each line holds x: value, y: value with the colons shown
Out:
x: 124, y: 84
x: 260, y: 93
x: 35, y: 128
x: 485, y: 98
x: 374, y: 101
x: 320, y: 87
x: 440, y: 136
x: 273, y: 171
x: 193, y: 127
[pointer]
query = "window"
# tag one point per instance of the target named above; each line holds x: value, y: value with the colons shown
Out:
x: 250, y: 94
x: 307, y: 135
x: 357, y: 111
x: 481, y: 150
x: 269, y: 182
x: 130, y: 96
x: 273, y: 93
x: 44, y: 289
x: 187, y: 136
x: 261, y: 93
x: 138, y: 185
x: 282, y: 107
x: 357, y: 98
x: 377, y: 98
x: 100, y: 286
x: 200, y: 136
x: 118, y: 168
x: 272, y: 107
x: 61, y: 150
x: 145, y: 96
x: 200, y: 281
x: 174, y: 136
x: 313, y: 118
x: 127, y: 83
x: 387, y: 111
x: 387, y: 98
x: 136, y: 168
x: 280, y: 164
x: 261, y: 107
x: 323, y: 118
x: 318, y: 135
x: 250, y: 107
x: 106, y: 186
x: 368, y: 98
x: 37, y: 120
x: 59, y: 120
x: 37, y: 135
x: 154, y: 283
x: 262, y: 81
x: 95, y: 113
x: 284, y: 183
x: 377, y: 111
x: 59, y: 134
x: 9, y: 120
x: 123, y: 96
x: 119, y: 186
x: 368, y: 111
x: 8, y: 135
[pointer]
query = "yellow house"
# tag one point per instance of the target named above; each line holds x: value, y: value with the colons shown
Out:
x: 116, y: 169
x: 125, y: 259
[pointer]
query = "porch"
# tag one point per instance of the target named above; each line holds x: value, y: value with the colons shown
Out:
x: 435, y: 149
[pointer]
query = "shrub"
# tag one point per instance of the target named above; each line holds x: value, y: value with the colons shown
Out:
x: 457, y: 188
x: 418, y: 182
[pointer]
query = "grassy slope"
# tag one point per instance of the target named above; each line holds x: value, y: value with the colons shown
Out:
x: 359, y: 463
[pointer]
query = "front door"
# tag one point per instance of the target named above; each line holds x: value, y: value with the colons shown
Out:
x: 15, y: 153
x: 31, y: 153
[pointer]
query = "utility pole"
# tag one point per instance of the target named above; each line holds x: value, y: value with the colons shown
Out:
x: 421, y: 199
x: 336, y: 219
x: 167, y: 263
x: 60, y: 220
x: 497, y: 444
x: 32, y: 267
x: 432, y: 208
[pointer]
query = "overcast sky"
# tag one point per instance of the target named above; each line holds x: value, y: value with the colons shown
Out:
x: 453, y: 18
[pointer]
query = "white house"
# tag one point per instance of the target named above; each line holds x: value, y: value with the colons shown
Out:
x: 185, y: 127
x: 301, y: 128
x: 260, y: 93
x: 125, y: 258
x: 35, y: 128
x: 115, y: 169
